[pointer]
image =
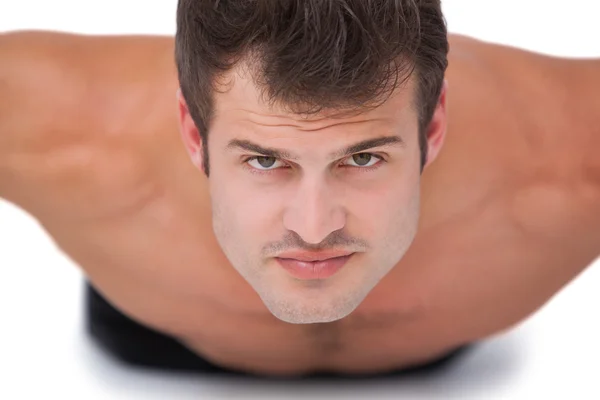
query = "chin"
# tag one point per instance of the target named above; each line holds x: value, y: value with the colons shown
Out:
x: 301, y: 311
x: 307, y: 318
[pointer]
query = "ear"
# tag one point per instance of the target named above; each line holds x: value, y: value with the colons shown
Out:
x: 436, y: 132
x: 189, y: 132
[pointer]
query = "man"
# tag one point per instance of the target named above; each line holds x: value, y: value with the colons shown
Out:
x: 328, y: 199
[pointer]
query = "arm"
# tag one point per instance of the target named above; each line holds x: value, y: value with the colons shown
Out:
x: 35, y: 93
x: 70, y: 106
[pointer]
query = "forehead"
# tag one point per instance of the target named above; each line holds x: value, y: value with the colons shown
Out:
x: 238, y: 94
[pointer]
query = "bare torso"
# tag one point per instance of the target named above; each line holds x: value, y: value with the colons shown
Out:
x: 510, y: 210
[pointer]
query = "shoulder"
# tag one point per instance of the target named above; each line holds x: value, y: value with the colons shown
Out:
x: 517, y: 74
x: 80, y: 116
x: 505, y: 90
x: 491, y: 123
x: 513, y: 135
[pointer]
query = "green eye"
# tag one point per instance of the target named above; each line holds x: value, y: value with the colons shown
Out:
x: 362, y: 159
x: 262, y: 163
x: 266, y: 162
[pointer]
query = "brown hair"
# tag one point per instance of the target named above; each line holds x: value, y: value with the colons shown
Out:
x: 313, y: 55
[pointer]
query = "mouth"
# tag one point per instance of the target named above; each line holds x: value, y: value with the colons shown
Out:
x: 307, y: 256
x: 317, y: 268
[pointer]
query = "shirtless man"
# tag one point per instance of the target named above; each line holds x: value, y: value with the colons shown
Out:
x: 451, y: 203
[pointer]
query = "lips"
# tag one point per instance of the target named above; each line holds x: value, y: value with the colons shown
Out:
x: 311, y: 270
x: 314, y: 256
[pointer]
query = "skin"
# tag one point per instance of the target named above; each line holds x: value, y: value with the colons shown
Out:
x: 314, y: 201
x: 98, y: 146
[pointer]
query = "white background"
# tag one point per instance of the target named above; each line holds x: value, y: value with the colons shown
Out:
x: 44, y: 353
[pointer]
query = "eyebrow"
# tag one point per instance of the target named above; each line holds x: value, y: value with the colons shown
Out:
x: 284, y: 154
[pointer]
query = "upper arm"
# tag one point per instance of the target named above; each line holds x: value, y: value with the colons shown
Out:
x: 77, y: 112
x: 55, y: 93
x: 35, y: 92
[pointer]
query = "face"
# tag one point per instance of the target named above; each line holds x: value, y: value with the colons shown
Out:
x: 285, y: 187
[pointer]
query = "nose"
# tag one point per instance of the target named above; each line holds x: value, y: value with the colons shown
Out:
x: 314, y: 212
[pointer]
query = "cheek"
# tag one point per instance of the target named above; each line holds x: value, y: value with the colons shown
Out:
x: 390, y: 197
x: 245, y: 209
x: 390, y: 212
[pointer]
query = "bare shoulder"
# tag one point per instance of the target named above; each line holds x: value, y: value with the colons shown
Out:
x: 520, y: 130
x: 522, y: 74
x: 78, y: 112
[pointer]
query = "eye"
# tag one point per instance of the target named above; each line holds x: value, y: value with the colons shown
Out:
x: 262, y: 163
x: 364, y: 160
x: 360, y: 161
